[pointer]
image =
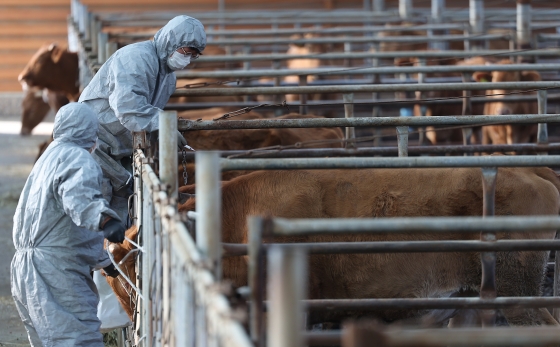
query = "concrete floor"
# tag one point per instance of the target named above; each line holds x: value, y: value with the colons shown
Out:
x: 17, y: 155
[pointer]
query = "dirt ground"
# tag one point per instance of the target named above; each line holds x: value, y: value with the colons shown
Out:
x: 17, y: 155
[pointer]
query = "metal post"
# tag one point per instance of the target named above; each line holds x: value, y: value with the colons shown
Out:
x: 87, y: 24
x: 423, y: 109
x: 476, y: 20
x: 542, y: 134
x: 102, y: 39
x: 208, y: 208
x: 112, y: 47
x: 168, y: 162
x: 349, y: 113
x: 376, y: 111
x: 287, y: 276
x: 402, y: 138
x: 467, y: 110
x: 438, y: 6
x: 256, y: 279
x: 80, y: 13
x: 523, y: 24
x: 378, y: 5
x: 367, y: 5
x: 405, y: 9
x: 556, y: 286
x: 488, y: 259
x: 95, y: 28
x: 303, y: 97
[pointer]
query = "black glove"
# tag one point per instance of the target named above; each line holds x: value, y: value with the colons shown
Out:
x: 111, y: 271
x: 113, y: 231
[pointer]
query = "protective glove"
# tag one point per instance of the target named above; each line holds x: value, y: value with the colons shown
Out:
x: 111, y: 271
x: 181, y: 142
x: 113, y: 231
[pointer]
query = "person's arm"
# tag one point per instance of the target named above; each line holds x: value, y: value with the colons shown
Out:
x: 133, y: 78
x: 79, y: 188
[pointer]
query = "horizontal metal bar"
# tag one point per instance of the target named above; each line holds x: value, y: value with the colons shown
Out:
x: 431, y: 303
x: 383, y: 103
x: 239, y: 249
x: 382, y: 55
x: 372, y: 151
x: 395, y: 337
x: 286, y: 31
x: 185, y: 125
x: 282, y: 226
x: 367, y: 88
x: 365, y: 70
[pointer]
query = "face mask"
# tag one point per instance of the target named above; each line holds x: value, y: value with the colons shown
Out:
x: 178, y: 61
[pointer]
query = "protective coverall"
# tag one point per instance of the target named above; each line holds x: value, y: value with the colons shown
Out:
x: 127, y: 94
x: 56, y: 237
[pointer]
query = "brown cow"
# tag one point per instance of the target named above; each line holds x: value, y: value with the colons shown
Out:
x: 35, y: 108
x: 54, y: 68
x: 392, y: 193
x: 433, y: 134
x: 508, y: 134
x: 248, y: 139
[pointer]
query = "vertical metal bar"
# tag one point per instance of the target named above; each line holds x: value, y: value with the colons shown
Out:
x: 378, y: 5
x: 556, y: 286
x: 87, y: 24
x: 80, y: 13
x: 376, y: 111
x: 523, y: 24
x: 349, y: 113
x: 287, y: 275
x: 247, y: 50
x: 488, y: 259
x: 467, y: 110
x: 476, y: 20
x: 147, y: 263
x: 542, y: 135
x: 95, y: 27
x: 405, y: 9
x: 112, y: 47
x: 277, y: 82
x: 168, y: 162
x: 423, y: 109
x: 402, y: 138
x: 256, y: 279
x: 208, y: 208
x: 438, y: 6
x: 303, y: 97
x: 367, y: 5
x: 102, y: 39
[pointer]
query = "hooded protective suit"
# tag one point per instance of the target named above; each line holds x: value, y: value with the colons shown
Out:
x: 131, y: 88
x: 56, y: 237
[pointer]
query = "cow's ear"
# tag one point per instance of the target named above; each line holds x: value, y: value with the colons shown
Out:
x: 530, y: 76
x: 482, y: 76
x: 52, y: 47
x: 56, y: 54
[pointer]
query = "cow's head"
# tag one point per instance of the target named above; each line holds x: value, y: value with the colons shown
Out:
x: 507, y: 108
x: 119, y: 285
x: 34, y: 109
x: 38, y: 71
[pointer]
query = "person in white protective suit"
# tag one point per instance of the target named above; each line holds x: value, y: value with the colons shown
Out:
x: 128, y: 92
x: 57, y: 235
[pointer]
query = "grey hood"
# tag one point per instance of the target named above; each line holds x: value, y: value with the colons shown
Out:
x: 181, y: 31
x: 76, y: 123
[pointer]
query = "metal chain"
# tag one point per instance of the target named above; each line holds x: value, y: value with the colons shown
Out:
x: 184, y: 162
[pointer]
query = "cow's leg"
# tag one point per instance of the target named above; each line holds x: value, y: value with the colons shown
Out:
x: 522, y: 274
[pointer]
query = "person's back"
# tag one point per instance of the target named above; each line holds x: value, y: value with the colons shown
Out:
x: 56, y: 224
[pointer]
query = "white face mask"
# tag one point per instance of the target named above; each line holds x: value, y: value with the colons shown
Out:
x: 178, y: 61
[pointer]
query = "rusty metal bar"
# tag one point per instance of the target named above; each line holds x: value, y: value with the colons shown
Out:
x: 241, y: 249
x: 488, y: 259
x: 184, y: 125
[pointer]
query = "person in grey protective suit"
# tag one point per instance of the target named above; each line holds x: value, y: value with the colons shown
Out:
x: 128, y: 92
x: 56, y: 235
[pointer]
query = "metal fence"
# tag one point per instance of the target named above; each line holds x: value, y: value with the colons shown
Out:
x: 178, y: 284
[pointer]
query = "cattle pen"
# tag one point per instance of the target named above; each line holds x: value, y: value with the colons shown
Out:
x: 179, y: 295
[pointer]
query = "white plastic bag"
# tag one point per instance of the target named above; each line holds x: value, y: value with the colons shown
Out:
x: 109, y: 310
